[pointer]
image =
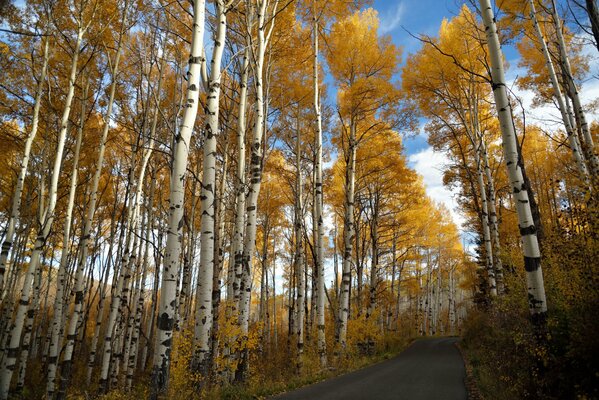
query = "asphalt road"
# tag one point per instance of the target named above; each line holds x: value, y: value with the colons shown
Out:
x: 429, y: 369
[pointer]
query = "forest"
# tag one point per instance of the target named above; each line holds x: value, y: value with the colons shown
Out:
x: 218, y: 199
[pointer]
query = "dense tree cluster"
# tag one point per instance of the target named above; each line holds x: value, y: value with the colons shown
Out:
x: 183, y: 210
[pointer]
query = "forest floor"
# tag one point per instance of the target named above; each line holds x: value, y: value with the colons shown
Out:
x: 428, y: 369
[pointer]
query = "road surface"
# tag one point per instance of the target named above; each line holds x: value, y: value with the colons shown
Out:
x: 429, y: 369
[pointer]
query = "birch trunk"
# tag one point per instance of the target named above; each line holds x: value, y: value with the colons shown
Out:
x: 46, y: 222
x: 236, y: 272
x: 528, y: 231
x: 318, y: 210
x: 589, y: 146
x: 348, y: 238
x: 15, y: 211
x: 249, y: 245
x: 58, y: 302
x: 557, y: 93
x: 485, y: 220
x: 299, y: 254
x: 493, y: 219
x: 167, y: 309
x: 203, y: 320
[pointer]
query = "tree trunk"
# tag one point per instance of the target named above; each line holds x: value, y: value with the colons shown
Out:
x: 588, y: 145
x: 44, y: 230
x: 167, y: 309
x: 203, y: 320
x: 557, y: 93
x: 348, y: 237
x: 15, y: 211
x: 530, y: 246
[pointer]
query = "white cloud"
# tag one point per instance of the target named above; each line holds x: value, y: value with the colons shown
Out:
x: 430, y: 165
x: 547, y: 116
x: 390, y: 21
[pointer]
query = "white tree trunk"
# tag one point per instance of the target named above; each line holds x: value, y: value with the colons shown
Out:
x: 299, y: 254
x: 235, y: 274
x: 15, y: 211
x: 528, y: 231
x: 485, y: 219
x: 348, y: 238
x: 62, y: 269
x: 168, y: 303
x: 249, y: 245
x: 493, y: 219
x: 557, y: 93
x: 44, y: 230
x: 318, y: 210
x: 203, y: 320
x: 589, y: 147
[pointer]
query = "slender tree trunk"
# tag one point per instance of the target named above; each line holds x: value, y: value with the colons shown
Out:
x: 589, y: 146
x: 15, y: 211
x: 485, y: 219
x: 249, y: 245
x: 44, y: 230
x: 557, y: 93
x: 530, y: 246
x: 493, y: 219
x: 299, y: 253
x: 58, y: 302
x: 318, y: 208
x: 348, y: 238
x: 203, y: 320
x: 167, y: 307
x: 235, y: 274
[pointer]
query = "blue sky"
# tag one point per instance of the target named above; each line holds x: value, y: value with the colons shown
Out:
x: 397, y: 18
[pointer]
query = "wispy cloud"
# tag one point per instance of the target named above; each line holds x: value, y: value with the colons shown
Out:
x: 430, y: 165
x: 391, y: 19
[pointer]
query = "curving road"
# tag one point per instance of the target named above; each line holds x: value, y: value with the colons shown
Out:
x: 429, y: 369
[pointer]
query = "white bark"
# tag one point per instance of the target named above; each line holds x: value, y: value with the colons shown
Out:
x: 44, y: 230
x: 348, y: 238
x: 15, y: 211
x: 299, y: 254
x: 203, y: 320
x: 318, y: 210
x: 58, y: 302
x: 530, y: 246
x: 233, y: 294
x: 168, y: 303
x: 493, y: 219
x: 572, y: 88
x: 485, y: 219
x: 557, y: 93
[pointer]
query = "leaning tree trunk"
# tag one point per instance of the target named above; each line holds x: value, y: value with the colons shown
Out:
x: 15, y: 211
x: 589, y: 146
x: 62, y: 269
x: 46, y: 221
x: 532, y: 256
x: 203, y: 318
x: 84, y: 243
x: 557, y: 93
x: 167, y: 309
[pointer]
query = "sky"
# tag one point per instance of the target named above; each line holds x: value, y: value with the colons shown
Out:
x: 401, y: 18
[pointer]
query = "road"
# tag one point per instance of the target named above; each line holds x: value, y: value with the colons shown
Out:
x: 429, y: 369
